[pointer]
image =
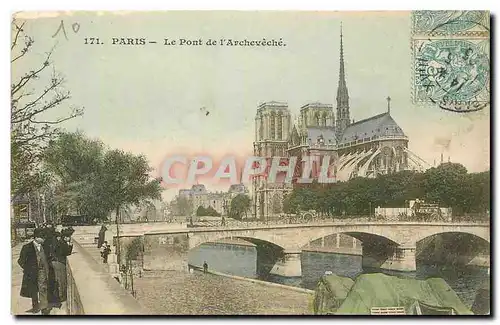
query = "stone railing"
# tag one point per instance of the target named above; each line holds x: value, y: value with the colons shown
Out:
x: 231, y: 223
x: 92, y: 291
x: 371, y: 139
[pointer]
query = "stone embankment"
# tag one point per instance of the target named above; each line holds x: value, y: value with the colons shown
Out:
x: 177, y: 293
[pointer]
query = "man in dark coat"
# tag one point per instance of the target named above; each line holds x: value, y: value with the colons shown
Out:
x: 48, y: 245
x: 33, y: 261
x: 63, y: 248
x: 102, y: 234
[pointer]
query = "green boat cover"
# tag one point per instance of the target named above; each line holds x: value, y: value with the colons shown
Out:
x: 429, y: 297
x: 330, y: 293
x: 481, y: 305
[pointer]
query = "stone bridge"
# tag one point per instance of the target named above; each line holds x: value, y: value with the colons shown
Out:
x: 388, y: 245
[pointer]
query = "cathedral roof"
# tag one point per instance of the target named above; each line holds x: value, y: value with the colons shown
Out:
x: 378, y: 125
x: 237, y: 188
x: 198, y: 188
x: 327, y: 133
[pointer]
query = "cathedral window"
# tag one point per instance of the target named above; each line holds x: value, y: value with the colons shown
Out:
x: 280, y: 127
x: 272, y: 126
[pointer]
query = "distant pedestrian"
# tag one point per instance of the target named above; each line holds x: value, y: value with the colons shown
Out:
x: 205, y: 267
x: 223, y: 221
x: 102, y: 234
x: 105, y: 252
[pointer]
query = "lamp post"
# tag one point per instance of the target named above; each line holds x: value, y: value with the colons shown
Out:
x: 118, y: 235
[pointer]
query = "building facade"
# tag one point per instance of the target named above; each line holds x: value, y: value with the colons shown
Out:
x: 219, y: 201
x: 367, y: 148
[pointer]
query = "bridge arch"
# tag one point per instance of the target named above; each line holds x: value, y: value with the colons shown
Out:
x: 378, y: 251
x: 365, y: 236
x: 268, y: 253
x: 481, y: 232
x: 253, y: 236
x: 453, y: 247
x: 256, y: 241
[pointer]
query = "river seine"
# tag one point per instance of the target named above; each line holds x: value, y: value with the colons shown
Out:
x: 241, y: 260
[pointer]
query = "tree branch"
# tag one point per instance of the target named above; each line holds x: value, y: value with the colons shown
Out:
x: 58, y: 121
x: 18, y: 31
x: 31, y: 75
x: 27, y: 115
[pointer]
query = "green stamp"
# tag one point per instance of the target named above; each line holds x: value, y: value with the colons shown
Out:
x: 450, y: 22
x: 453, y: 73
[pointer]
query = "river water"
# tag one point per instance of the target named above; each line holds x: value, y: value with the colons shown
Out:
x: 241, y: 260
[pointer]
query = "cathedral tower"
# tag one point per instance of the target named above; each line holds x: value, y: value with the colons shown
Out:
x: 343, y: 119
x: 272, y: 132
x: 272, y: 129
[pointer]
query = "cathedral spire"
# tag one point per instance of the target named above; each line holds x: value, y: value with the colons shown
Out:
x: 342, y: 90
x: 343, y: 119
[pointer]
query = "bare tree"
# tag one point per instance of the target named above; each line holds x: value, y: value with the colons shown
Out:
x: 31, y: 129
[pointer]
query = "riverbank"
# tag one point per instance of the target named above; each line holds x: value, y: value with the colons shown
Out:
x: 178, y: 293
x: 480, y: 260
x: 259, y: 282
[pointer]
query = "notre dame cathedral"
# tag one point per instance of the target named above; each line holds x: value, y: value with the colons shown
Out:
x: 366, y: 148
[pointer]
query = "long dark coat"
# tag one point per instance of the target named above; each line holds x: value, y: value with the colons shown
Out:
x: 102, y: 233
x: 28, y: 262
x: 61, y: 250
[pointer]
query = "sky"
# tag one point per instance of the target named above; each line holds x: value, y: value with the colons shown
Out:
x: 147, y: 98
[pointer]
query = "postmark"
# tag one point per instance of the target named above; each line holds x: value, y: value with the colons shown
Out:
x: 453, y: 73
x: 472, y: 23
x: 450, y: 51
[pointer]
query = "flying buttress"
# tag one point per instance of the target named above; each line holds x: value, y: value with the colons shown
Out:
x: 362, y: 170
x: 346, y: 171
x: 416, y: 159
x: 416, y: 163
x: 343, y: 159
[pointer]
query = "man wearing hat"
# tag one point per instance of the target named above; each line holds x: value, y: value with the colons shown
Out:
x: 63, y: 248
x: 33, y: 261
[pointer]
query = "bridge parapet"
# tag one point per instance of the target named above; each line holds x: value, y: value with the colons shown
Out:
x: 346, y: 220
x: 89, y: 285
